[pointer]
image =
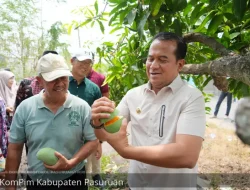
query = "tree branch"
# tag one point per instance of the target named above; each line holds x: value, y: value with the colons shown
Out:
x: 209, y: 41
x: 236, y: 67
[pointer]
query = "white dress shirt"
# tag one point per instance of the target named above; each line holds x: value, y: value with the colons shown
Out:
x: 178, y: 108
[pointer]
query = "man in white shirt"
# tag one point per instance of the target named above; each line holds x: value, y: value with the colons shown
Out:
x: 167, y: 121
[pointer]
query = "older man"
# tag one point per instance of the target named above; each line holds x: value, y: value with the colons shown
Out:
x: 88, y: 90
x: 167, y: 121
x: 56, y: 119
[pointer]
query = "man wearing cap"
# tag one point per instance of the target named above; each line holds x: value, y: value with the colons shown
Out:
x: 86, y: 89
x: 29, y: 86
x: 55, y: 119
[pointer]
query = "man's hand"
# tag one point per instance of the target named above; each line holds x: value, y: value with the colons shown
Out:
x: 100, y: 110
x: 119, y: 140
x: 98, y: 153
x: 63, y: 164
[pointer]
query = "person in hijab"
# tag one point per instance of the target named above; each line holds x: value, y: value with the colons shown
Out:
x: 8, y: 92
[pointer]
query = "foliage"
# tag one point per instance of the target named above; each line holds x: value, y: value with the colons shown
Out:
x: 135, y: 22
x: 54, y: 33
x: 22, y: 38
x: 18, y: 39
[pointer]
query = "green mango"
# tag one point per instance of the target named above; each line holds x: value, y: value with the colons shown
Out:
x: 112, y: 115
x: 47, y: 155
x: 114, y: 127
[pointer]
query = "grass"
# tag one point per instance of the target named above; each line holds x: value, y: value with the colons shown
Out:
x: 224, y: 159
x: 113, y: 173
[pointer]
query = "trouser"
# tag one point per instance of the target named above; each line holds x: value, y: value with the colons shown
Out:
x: 221, y: 98
x: 93, y: 165
x: 74, y: 182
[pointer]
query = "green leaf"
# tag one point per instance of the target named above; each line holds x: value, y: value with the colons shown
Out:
x: 205, y: 50
x: 177, y: 27
x: 131, y: 16
x: 169, y: 4
x: 230, y: 16
x: 246, y: 25
x: 101, y: 26
x: 117, y: 8
x: 96, y: 7
x: 155, y: 6
x: 123, y: 14
x: 179, y: 4
x: 245, y: 90
x: 194, y: 2
x: 195, y: 13
x: 187, y: 9
x: 132, y: 29
x: 85, y: 22
x: 103, y: 19
x: 92, y: 14
x: 117, y: 1
x: 238, y: 45
x: 151, y: 27
x: 70, y: 28
x: 213, y: 3
x: 233, y: 35
x: 239, y: 8
x: 142, y: 23
x: 214, y: 24
x: 108, y: 44
x: 204, y: 22
x: 115, y: 29
x: 113, y: 18
x: 206, y: 81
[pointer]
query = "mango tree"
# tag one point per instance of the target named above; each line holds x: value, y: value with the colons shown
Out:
x: 23, y: 38
x: 217, y: 32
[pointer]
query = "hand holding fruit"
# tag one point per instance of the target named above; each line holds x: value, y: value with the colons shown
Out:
x: 111, y: 121
x: 118, y: 140
x: 53, y: 160
x: 101, y: 109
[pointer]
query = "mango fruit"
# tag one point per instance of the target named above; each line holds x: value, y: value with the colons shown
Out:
x: 47, y: 155
x: 112, y: 115
x: 113, y: 123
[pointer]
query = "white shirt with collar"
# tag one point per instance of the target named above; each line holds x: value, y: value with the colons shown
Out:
x: 178, y: 108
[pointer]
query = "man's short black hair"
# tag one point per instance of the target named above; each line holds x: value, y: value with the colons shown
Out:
x: 181, y: 49
x: 49, y: 51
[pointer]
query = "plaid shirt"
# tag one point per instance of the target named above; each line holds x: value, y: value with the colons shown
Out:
x: 36, y: 88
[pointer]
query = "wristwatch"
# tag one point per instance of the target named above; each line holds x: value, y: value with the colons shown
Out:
x: 96, y: 127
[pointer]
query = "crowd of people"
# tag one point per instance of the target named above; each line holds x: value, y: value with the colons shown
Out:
x: 62, y: 108
x: 78, y: 89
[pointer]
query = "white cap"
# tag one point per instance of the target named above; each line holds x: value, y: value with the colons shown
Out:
x: 82, y: 55
x: 52, y: 66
